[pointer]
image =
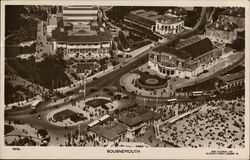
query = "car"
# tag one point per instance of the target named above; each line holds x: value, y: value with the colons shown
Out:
x: 44, y: 143
x: 205, y: 71
x: 81, y: 91
x: 38, y: 117
x: 212, y: 95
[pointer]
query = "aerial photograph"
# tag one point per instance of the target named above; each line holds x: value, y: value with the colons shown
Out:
x: 124, y: 76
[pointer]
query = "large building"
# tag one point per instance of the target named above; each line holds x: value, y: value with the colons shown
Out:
x: 129, y: 124
x: 222, y: 31
x: 138, y: 120
x: 167, y: 25
x: 235, y: 15
x: 82, y: 36
x: 151, y: 20
x: 188, y: 59
x: 79, y: 14
x: 108, y: 132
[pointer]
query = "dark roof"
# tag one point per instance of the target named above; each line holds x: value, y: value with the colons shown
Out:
x: 109, y: 133
x: 198, y: 48
x: 140, y: 20
x: 139, y: 119
x: 178, y: 53
x: 233, y: 77
x: 100, y: 37
x: 193, y: 50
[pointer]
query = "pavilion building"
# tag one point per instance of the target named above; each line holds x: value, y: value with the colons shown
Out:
x: 138, y: 121
x: 188, y: 59
x: 151, y: 20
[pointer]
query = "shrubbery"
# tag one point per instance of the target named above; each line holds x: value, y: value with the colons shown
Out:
x: 42, y: 132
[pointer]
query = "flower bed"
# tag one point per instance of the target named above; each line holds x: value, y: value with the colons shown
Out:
x: 97, y: 102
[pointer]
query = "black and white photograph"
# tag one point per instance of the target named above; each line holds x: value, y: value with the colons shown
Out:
x: 125, y: 76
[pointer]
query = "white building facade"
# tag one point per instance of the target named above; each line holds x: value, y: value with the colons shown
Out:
x: 79, y: 14
x: 169, y: 26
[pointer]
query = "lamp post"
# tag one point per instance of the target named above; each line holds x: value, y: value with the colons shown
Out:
x: 79, y: 134
x: 84, y: 84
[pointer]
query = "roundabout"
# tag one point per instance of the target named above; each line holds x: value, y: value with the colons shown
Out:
x: 148, y: 81
x: 147, y: 84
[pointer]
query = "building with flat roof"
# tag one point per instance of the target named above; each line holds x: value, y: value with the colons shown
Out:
x: 189, y: 58
x: 169, y: 25
x: 222, y: 31
x: 235, y: 79
x: 151, y: 20
x: 138, y: 120
x: 79, y: 14
x: 108, y: 132
x: 82, y: 36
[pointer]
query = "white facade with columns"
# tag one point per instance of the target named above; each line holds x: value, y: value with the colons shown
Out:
x: 169, y: 26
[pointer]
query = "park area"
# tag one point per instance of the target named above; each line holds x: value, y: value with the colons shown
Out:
x: 97, y: 102
x: 68, y: 114
x: 8, y: 129
x: 149, y: 81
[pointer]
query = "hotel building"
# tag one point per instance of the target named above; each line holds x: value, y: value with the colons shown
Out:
x: 221, y: 31
x: 82, y: 36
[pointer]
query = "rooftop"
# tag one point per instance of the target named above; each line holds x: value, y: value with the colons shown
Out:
x: 169, y: 20
x: 79, y: 7
x: 233, y: 77
x: 148, y: 18
x: 188, y: 41
x: 64, y: 37
x: 143, y: 117
x: 195, y: 49
x: 169, y: 50
x: 109, y: 130
x: 199, y: 48
x: 142, y: 20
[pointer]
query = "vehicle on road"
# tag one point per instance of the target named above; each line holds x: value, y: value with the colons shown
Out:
x: 35, y: 104
x: 81, y: 91
x: 38, y: 117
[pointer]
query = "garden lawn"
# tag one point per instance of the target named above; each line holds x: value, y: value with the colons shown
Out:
x: 97, y: 102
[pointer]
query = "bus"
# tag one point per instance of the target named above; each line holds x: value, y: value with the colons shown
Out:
x: 172, y: 100
x: 35, y: 104
x: 197, y: 93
